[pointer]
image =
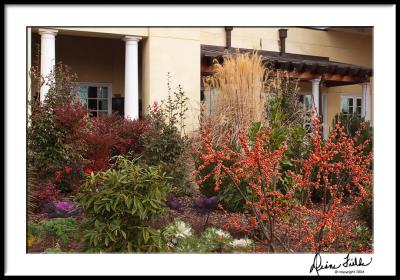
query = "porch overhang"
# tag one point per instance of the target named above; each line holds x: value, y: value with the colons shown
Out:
x: 303, y: 67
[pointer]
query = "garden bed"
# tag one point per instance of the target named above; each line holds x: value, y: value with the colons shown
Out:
x: 249, y: 180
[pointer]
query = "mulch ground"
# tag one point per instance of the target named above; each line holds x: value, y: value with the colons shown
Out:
x: 187, y: 213
x: 199, y: 221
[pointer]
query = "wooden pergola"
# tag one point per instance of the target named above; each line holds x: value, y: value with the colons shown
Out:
x: 303, y: 67
x: 317, y: 69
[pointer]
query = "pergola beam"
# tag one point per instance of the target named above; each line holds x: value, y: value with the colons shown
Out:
x: 303, y: 67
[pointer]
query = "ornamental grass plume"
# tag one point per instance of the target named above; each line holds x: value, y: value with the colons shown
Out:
x: 240, y: 83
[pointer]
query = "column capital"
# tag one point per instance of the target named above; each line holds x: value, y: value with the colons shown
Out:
x: 316, y: 81
x: 46, y: 31
x: 131, y: 39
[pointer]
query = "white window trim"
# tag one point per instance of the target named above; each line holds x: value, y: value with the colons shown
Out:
x: 354, y: 97
x: 109, y: 85
x: 304, y: 93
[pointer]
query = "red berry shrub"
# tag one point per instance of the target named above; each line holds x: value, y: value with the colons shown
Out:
x: 340, y: 168
x: 257, y: 165
x: 291, y: 221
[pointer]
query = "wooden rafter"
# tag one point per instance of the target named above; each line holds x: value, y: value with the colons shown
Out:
x: 304, y: 67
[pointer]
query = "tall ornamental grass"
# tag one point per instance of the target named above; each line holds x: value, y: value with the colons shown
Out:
x: 240, y: 83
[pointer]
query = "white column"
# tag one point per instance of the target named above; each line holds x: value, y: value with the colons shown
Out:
x: 325, y: 115
x: 366, y: 101
x: 131, y: 103
x: 29, y: 58
x: 47, y: 57
x: 315, y: 94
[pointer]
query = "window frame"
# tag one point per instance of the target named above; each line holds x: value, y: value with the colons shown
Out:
x: 109, y: 97
x: 355, y: 98
x: 307, y: 123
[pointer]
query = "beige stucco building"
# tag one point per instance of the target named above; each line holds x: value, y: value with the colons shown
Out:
x: 130, y: 64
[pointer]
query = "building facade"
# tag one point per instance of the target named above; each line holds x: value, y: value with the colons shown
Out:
x: 125, y: 69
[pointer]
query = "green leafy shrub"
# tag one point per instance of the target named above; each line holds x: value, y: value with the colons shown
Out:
x: 285, y: 116
x: 119, y: 205
x: 61, y: 228
x: 167, y: 143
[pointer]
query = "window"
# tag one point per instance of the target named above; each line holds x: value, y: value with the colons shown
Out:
x: 307, y: 105
x: 210, y: 99
x: 96, y: 97
x: 307, y: 102
x: 351, y: 105
x: 208, y: 96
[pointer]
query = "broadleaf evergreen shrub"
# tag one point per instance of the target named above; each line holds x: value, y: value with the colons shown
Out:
x: 119, y: 204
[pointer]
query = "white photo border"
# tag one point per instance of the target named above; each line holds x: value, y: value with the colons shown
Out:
x: 18, y: 18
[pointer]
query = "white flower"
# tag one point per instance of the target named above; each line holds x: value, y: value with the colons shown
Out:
x: 222, y: 233
x: 182, y: 230
x: 241, y: 242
